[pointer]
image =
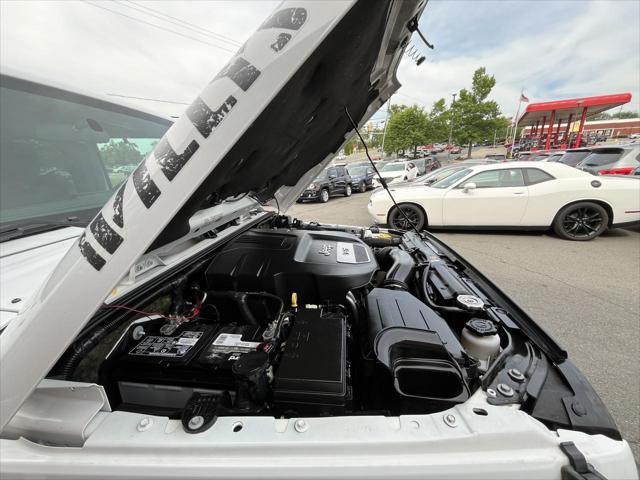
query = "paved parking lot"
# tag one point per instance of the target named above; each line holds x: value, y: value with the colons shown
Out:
x: 586, y: 294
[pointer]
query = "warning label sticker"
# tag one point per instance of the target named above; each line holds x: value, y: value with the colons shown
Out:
x: 228, y: 342
x: 167, y: 346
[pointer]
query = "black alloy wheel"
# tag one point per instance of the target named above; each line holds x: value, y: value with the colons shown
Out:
x: 347, y: 190
x: 581, y: 221
x: 413, y: 217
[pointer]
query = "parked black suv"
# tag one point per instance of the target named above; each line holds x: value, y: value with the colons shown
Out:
x: 332, y: 181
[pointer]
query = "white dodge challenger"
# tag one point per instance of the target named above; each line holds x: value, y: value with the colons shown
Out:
x: 515, y: 195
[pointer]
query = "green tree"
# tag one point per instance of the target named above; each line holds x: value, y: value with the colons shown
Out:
x: 625, y: 114
x: 438, y: 122
x: 474, y: 117
x: 351, y: 145
x: 614, y: 116
x: 120, y: 152
x: 407, y: 128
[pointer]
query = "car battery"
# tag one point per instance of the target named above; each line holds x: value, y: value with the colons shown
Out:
x: 158, y: 373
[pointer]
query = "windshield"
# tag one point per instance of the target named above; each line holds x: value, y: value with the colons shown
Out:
x: 602, y: 157
x: 573, y: 158
x: 440, y: 173
x: 358, y: 171
x: 60, y: 156
x: 393, y: 167
x: 537, y: 158
x: 451, y: 179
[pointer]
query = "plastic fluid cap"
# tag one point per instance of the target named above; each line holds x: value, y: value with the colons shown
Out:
x: 294, y: 300
x: 481, y: 327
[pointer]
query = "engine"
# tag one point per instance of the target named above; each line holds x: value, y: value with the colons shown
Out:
x: 304, y: 321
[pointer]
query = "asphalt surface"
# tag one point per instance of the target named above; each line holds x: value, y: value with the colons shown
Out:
x: 585, y: 294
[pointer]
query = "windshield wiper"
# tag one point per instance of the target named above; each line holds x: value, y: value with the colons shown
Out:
x: 13, y: 231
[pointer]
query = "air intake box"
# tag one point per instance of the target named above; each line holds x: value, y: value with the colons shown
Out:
x: 320, y: 266
x: 417, y: 346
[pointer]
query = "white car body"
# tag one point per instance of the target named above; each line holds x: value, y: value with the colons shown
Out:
x: 393, y: 176
x: 526, y: 207
x: 52, y: 428
x: 27, y: 261
x: 26, y: 264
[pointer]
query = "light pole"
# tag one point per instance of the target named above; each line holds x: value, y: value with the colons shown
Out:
x: 384, y: 132
x: 451, y: 126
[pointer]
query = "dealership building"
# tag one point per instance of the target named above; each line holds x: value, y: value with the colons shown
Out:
x: 613, y: 128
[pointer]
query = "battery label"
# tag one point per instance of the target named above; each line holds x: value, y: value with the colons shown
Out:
x: 233, y: 342
x: 167, y: 346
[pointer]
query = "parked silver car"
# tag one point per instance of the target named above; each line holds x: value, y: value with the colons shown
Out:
x: 612, y: 160
x: 573, y: 157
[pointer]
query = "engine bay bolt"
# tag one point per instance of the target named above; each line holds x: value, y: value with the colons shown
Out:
x: 301, y: 426
x: 491, y: 393
x: 196, y: 422
x: 505, y: 390
x: 138, y: 332
x: 450, y: 420
x: 144, y: 424
x: 516, y: 374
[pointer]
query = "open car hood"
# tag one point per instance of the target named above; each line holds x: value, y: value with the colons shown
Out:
x: 264, y: 126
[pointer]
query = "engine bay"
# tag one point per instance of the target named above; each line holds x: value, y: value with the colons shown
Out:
x: 293, y: 319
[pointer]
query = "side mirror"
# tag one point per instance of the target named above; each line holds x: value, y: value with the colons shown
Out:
x: 468, y: 186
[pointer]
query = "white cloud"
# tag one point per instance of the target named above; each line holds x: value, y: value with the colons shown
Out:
x: 594, y: 52
x: 99, y: 51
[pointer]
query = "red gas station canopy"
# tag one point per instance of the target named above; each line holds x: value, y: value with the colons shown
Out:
x: 537, y: 112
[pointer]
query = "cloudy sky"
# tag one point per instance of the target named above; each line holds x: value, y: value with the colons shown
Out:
x: 552, y: 49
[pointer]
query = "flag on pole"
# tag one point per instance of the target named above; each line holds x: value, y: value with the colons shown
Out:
x: 523, y: 98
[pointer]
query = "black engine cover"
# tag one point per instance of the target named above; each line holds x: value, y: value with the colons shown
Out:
x: 320, y: 266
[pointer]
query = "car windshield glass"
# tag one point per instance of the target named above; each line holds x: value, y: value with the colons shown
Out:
x: 451, y: 179
x: 573, y: 158
x: 602, y: 157
x: 358, y: 171
x: 393, y: 167
x: 62, y: 157
x: 441, y: 173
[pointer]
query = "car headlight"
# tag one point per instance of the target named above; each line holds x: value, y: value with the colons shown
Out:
x: 312, y: 186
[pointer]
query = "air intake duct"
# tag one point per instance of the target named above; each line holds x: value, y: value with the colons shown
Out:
x: 422, y: 353
x: 399, y: 265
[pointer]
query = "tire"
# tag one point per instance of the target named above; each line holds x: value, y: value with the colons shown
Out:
x: 347, y: 190
x: 415, y: 214
x: 324, y: 195
x: 362, y: 187
x: 581, y: 221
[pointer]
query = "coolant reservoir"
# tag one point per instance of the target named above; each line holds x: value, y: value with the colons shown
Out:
x: 480, y: 338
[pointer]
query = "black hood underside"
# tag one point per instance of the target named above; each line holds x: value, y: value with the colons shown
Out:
x: 304, y: 123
